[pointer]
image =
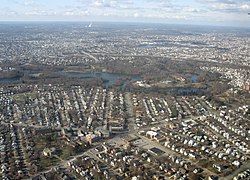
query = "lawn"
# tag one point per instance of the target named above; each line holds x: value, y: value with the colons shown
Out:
x: 46, y: 162
x: 23, y: 96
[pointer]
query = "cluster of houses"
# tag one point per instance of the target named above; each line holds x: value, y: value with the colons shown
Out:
x: 128, y: 161
x: 89, y: 168
x: 152, y: 110
x: 54, y: 106
x: 13, y: 161
x: 30, y: 152
x: 61, y: 173
x: 190, y: 127
x: 134, y: 162
x: 207, y: 46
x: 239, y: 77
x: 209, y: 138
x: 82, y: 45
x: 7, y: 69
x: 242, y: 175
x: 149, y: 110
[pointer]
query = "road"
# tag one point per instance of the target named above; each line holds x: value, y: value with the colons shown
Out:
x: 39, y: 126
x: 130, y: 111
x: 90, y: 55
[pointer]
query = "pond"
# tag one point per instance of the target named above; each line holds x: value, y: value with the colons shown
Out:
x: 194, y: 78
x: 109, y: 79
x: 9, y: 80
x: 184, y: 91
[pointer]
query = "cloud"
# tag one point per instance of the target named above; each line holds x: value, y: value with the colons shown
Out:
x: 193, y: 10
x: 135, y: 10
x: 107, y: 3
x: 245, y: 7
x: 28, y: 2
x: 6, y: 11
x: 40, y: 13
x: 218, y: 1
x: 136, y: 15
x: 75, y: 13
x: 225, y: 6
x: 179, y: 17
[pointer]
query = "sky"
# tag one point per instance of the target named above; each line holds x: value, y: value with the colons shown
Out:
x: 200, y: 12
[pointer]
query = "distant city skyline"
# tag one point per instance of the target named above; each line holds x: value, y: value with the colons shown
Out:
x: 203, y: 12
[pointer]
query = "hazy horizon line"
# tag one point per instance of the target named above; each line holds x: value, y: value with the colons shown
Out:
x: 119, y: 22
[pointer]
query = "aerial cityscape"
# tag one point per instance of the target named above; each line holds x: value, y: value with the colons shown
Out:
x: 115, y: 98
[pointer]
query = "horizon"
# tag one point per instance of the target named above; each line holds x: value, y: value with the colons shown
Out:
x: 121, y: 22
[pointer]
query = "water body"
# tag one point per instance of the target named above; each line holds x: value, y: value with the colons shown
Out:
x: 109, y: 79
x: 194, y: 78
x: 156, y: 44
x: 9, y: 80
x: 149, y: 46
x: 184, y: 91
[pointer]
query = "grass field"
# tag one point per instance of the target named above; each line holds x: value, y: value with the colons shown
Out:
x: 23, y: 96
